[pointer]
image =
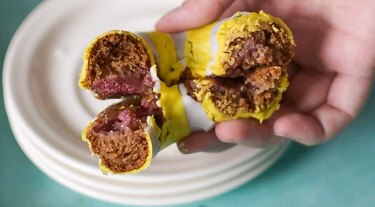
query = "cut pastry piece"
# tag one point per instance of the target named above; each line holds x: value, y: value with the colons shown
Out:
x: 116, y: 64
x: 256, y: 95
x: 123, y: 135
x: 235, y: 46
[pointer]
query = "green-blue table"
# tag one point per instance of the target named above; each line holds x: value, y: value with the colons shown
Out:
x: 339, y: 173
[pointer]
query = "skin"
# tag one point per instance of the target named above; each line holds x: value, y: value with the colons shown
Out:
x: 330, y: 77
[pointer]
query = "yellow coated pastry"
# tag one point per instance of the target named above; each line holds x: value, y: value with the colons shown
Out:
x: 205, y: 47
x: 240, y: 25
x: 231, y: 69
x: 85, y: 79
x: 216, y: 115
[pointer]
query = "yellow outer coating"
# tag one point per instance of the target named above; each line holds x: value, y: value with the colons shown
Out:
x: 84, y: 76
x: 169, y: 68
x: 84, y: 134
x: 198, y: 50
x: 214, y: 114
x: 175, y: 126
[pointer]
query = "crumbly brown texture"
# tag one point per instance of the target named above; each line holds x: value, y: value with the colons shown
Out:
x: 118, y: 65
x: 253, y: 72
x: 242, y: 94
x: 118, y: 134
x: 267, y: 46
x: 263, y: 85
x: 118, y: 137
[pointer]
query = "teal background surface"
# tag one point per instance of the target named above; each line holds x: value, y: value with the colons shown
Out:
x: 338, y: 173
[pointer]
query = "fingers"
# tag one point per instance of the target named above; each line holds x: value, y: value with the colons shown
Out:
x: 308, y: 89
x: 300, y: 128
x: 227, y: 134
x: 349, y: 93
x: 306, y: 129
x: 246, y: 132
x: 191, y: 14
x: 316, y: 128
x: 323, y: 104
x: 202, y: 142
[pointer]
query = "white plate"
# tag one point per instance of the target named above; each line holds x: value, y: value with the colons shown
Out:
x: 125, y: 194
x: 48, y: 109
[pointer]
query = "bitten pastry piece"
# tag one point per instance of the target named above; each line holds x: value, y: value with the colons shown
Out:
x: 117, y: 64
x: 121, y: 135
x: 244, y: 75
x: 256, y: 95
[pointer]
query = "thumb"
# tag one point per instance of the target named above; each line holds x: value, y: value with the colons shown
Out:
x: 192, y: 14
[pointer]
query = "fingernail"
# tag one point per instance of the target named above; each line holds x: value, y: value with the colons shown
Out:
x: 183, y: 149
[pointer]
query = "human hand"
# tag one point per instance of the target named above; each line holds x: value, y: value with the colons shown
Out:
x: 330, y: 76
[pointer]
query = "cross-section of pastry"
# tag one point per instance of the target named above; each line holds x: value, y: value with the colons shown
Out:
x: 255, y: 95
x: 235, y: 46
x: 170, y: 85
x: 116, y: 64
x: 237, y: 66
x: 121, y: 136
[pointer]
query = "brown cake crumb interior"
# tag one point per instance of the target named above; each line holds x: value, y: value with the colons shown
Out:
x: 241, y: 94
x: 253, y: 72
x: 118, y: 136
x: 118, y: 66
x: 267, y: 46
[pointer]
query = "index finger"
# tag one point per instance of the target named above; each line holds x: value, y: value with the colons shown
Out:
x: 192, y: 14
